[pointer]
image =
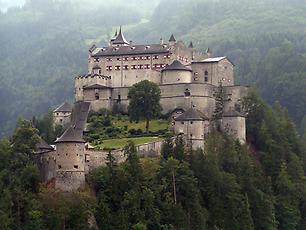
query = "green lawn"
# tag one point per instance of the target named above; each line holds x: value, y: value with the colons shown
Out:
x: 121, y: 142
x: 155, y: 125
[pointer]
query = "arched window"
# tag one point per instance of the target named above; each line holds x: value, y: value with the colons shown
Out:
x: 187, y: 93
x: 97, y: 96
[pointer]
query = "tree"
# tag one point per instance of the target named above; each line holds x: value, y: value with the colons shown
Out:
x: 219, y: 107
x: 144, y: 102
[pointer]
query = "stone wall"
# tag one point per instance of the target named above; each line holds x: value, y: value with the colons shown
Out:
x: 175, y: 76
x: 69, y: 181
x: 46, y: 165
x: 235, y: 127
x: 62, y: 118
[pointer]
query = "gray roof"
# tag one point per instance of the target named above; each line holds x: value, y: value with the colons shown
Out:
x: 131, y: 50
x: 43, y: 145
x: 172, y: 38
x: 70, y: 135
x: 96, y: 86
x: 120, y: 39
x: 79, y: 116
x: 232, y: 113
x: 190, y: 45
x: 192, y: 115
x: 176, y: 65
x: 214, y: 60
x: 65, y: 107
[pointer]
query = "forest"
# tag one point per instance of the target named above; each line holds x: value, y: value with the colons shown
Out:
x: 228, y: 186
x: 44, y: 46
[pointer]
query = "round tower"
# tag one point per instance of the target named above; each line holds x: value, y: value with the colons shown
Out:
x: 176, y: 73
x: 70, y: 161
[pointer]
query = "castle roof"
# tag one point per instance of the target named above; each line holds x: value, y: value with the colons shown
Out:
x: 70, y: 135
x: 214, y: 60
x: 96, y: 86
x: 43, y: 145
x: 65, y: 107
x: 176, y: 65
x: 79, y: 116
x: 172, y: 38
x: 120, y: 39
x: 232, y: 113
x: 192, y: 115
x: 131, y: 50
x: 190, y: 45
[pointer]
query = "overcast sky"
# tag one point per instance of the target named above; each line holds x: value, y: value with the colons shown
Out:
x: 4, y: 4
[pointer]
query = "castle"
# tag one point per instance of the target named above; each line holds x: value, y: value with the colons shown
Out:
x: 188, y: 80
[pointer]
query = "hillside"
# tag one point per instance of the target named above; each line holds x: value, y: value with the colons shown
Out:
x: 265, y: 39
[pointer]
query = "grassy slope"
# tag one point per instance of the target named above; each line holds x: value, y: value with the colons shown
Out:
x: 121, y: 142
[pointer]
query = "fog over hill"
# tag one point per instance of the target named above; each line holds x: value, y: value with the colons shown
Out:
x: 44, y: 45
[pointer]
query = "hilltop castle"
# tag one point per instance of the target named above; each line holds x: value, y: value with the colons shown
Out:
x: 188, y: 80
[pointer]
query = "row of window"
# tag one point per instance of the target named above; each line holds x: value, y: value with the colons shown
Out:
x: 183, y: 59
x: 134, y: 67
x: 154, y: 57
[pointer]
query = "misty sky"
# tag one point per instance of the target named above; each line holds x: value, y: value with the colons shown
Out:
x: 5, y: 4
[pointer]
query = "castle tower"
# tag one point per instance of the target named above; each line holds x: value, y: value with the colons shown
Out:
x: 70, y: 161
x: 172, y: 40
x: 62, y: 114
x: 119, y: 40
x: 176, y: 72
x: 193, y: 125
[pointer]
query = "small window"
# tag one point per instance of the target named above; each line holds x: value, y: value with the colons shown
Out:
x: 119, y: 98
x: 187, y: 93
x: 76, y: 166
x: 97, y: 97
x: 182, y: 122
x: 191, y: 122
x: 206, y: 79
x: 59, y: 166
x: 206, y: 73
x: 61, y: 120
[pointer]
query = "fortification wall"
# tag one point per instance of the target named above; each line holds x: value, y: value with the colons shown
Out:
x: 97, y: 158
x: 88, y: 80
x: 175, y: 77
x: 235, y: 127
x: 46, y: 165
x: 234, y: 96
x: 69, y: 181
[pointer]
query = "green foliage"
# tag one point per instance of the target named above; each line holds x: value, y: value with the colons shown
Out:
x: 144, y: 102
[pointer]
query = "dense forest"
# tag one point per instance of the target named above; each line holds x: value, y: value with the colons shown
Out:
x: 44, y: 45
x: 232, y: 186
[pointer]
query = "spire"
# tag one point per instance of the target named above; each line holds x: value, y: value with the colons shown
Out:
x: 190, y: 45
x: 172, y: 39
x: 120, y: 39
x: 116, y: 33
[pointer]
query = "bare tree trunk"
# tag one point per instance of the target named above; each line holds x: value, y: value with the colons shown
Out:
x: 147, y: 125
x: 174, y: 188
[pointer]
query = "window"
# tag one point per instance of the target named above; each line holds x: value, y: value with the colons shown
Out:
x: 134, y: 67
x: 117, y: 67
x: 59, y: 166
x: 96, y: 60
x: 206, y: 79
x: 125, y: 67
x: 97, y: 97
x: 76, y: 166
x: 155, y: 57
x: 182, y: 122
x: 61, y: 120
x: 206, y: 73
x: 140, y: 67
x: 109, y: 59
x: 118, y: 59
x: 134, y: 58
x: 119, y: 98
x: 191, y: 122
x: 109, y: 68
x: 125, y: 59
x: 187, y: 93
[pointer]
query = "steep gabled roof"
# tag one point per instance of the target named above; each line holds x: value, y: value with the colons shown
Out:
x: 120, y: 39
x: 65, y: 107
x: 190, y: 45
x: 70, y: 135
x: 96, y: 86
x: 232, y: 113
x: 176, y: 65
x: 172, y: 38
x: 192, y: 115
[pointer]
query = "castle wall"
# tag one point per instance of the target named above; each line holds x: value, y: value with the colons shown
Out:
x: 69, y: 181
x: 82, y: 81
x: 46, y: 165
x: 70, y: 166
x: 175, y: 77
x: 235, y: 127
x: 62, y: 118
x: 234, y: 95
x: 213, y: 72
